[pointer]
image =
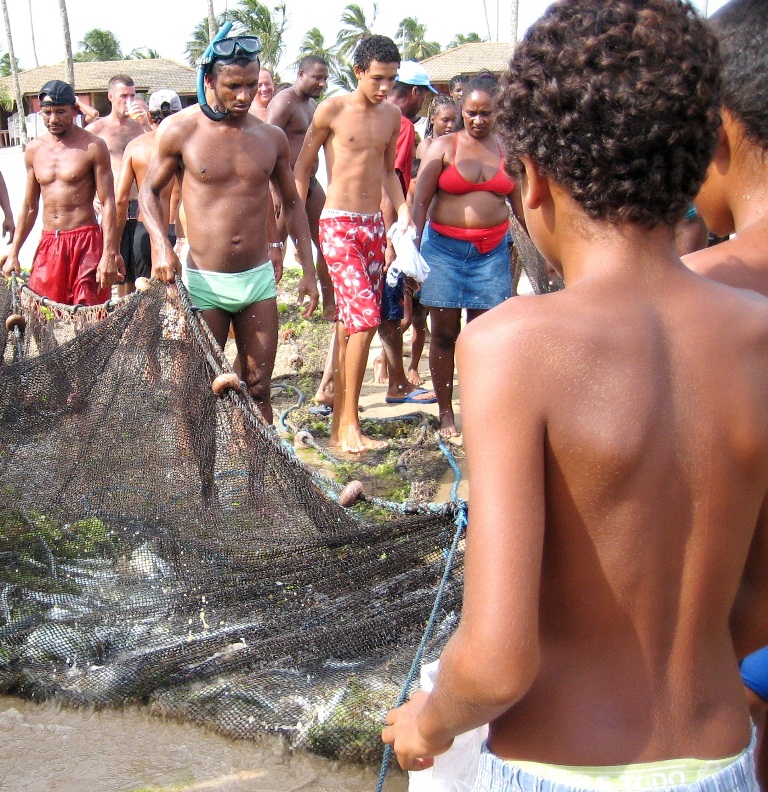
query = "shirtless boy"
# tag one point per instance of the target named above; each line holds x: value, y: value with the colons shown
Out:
x: 117, y: 130
x: 292, y: 110
x: 136, y: 157
x: 77, y: 261
x: 617, y: 440
x: 359, y: 134
x: 228, y: 165
x: 734, y: 201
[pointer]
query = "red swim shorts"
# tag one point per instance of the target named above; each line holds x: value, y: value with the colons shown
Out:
x: 64, y: 267
x: 353, y: 246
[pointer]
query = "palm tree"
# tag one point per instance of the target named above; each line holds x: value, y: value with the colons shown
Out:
x: 313, y: 43
x: 99, y: 45
x: 15, y: 74
x: 201, y: 37
x: 411, y: 33
x: 513, y: 22
x: 32, y: 31
x: 354, y: 27
x: 5, y: 65
x: 255, y: 18
x: 143, y: 53
x: 460, y: 38
x: 211, y: 21
x: 342, y: 75
x: 70, y: 66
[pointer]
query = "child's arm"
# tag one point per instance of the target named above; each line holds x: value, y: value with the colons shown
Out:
x: 492, y: 659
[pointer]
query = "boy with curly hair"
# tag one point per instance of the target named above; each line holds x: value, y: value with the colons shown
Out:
x: 617, y: 440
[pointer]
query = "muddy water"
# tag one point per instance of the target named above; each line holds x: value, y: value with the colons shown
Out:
x: 47, y: 749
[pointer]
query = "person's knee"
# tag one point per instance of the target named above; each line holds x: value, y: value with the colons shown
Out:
x: 259, y: 384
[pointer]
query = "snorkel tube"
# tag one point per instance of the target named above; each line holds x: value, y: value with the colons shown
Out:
x: 202, y: 69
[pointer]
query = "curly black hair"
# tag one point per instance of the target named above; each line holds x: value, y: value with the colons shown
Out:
x: 375, y: 48
x: 618, y: 102
x: 741, y: 27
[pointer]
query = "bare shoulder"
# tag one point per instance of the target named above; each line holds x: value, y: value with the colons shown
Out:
x: 328, y: 110
x: 740, y: 262
x: 98, y: 126
x: 177, y: 128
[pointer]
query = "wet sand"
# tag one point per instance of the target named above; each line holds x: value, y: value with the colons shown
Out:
x: 44, y: 748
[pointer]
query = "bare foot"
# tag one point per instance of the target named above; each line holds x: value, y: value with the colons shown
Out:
x: 324, y: 396
x: 353, y: 441
x: 414, y: 378
x: 450, y: 434
x: 329, y: 312
x: 381, y: 370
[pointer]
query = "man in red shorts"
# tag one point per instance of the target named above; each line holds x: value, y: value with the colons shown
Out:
x: 77, y: 261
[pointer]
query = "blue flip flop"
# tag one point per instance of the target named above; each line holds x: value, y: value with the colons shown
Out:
x: 323, y: 410
x: 411, y: 398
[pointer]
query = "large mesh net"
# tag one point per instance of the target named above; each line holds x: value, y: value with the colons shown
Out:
x: 161, y: 544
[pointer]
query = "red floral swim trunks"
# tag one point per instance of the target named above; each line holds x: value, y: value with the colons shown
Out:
x: 353, y: 246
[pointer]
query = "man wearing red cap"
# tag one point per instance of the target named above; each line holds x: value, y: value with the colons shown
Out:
x: 77, y: 261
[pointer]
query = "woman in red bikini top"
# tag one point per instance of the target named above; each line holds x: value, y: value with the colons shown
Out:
x: 464, y: 172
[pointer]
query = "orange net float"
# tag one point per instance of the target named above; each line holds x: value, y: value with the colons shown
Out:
x: 352, y: 493
x: 225, y: 382
x: 15, y: 320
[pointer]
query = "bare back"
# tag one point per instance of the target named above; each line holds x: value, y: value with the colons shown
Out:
x: 359, y: 139
x: 225, y: 186
x: 65, y: 173
x: 647, y: 399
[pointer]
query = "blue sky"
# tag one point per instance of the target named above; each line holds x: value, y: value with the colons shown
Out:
x: 166, y: 26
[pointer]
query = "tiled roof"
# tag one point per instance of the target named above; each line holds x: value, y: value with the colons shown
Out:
x: 468, y: 59
x: 149, y: 74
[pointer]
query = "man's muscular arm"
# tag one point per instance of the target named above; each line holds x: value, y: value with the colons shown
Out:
x: 297, y: 224
x: 27, y: 213
x: 123, y: 189
x: 280, y: 110
x: 316, y: 136
x: 166, y: 158
x: 111, y: 268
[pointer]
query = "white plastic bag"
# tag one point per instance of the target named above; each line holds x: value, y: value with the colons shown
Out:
x: 456, y: 769
x: 408, y: 260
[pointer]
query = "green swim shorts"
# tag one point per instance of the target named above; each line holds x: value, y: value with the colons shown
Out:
x: 230, y: 291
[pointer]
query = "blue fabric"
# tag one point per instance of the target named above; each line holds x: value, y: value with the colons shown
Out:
x: 498, y: 775
x: 393, y: 299
x: 754, y: 672
x: 462, y: 277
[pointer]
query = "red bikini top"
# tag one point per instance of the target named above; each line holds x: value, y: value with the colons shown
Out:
x: 451, y: 181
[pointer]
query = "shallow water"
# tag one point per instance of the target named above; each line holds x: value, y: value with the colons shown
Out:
x: 44, y: 748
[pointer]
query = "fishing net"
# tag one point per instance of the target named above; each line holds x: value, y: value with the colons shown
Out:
x: 160, y: 544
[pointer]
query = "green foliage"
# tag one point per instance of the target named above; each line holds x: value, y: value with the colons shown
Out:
x: 5, y: 65
x: 411, y: 39
x: 99, y: 45
x: 143, y: 53
x: 460, y: 38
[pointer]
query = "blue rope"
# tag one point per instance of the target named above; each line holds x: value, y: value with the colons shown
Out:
x: 461, y: 524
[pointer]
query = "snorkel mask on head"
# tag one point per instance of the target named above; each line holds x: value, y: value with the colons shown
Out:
x: 224, y: 50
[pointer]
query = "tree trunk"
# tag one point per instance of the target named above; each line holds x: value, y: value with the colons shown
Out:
x: 70, y: 64
x: 513, y: 23
x: 211, y: 20
x: 15, y: 75
x: 32, y: 31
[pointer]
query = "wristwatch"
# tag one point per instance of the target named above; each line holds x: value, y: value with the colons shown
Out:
x: 278, y: 245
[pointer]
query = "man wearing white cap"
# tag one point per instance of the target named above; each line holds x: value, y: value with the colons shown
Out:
x: 408, y: 94
x: 136, y: 157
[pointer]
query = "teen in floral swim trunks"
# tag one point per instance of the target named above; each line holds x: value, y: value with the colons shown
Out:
x: 359, y: 133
